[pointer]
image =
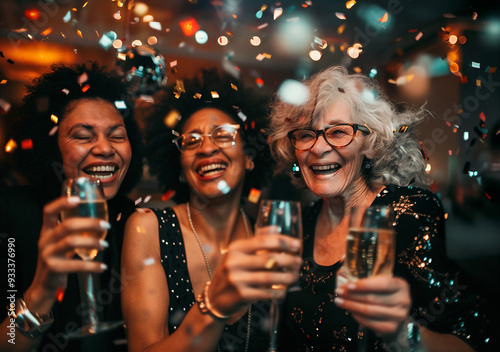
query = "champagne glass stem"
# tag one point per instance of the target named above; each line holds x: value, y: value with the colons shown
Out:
x: 274, y: 316
x: 91, y: 302
x: 361, y: 345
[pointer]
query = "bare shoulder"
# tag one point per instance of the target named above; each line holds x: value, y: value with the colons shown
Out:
x: 141, y: 230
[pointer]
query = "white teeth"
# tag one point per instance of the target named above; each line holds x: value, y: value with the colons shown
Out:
x: 103, y: 168
x: 102, y: 177
x: 324, y: 167
x: 207, y: 168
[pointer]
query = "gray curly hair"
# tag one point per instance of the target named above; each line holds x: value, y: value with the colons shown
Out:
x: 397, y: 154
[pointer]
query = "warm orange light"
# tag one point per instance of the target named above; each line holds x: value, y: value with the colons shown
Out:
x: 454, y: 67
x: 189, y: 26
x: 32, y: 14
x: 10, y: 146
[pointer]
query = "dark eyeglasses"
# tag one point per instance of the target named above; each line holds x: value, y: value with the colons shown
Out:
x: 222, y: 136
x: 337, y: 136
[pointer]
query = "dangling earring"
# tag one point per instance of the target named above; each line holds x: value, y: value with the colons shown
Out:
x: 367, y: 166
x: 182, y: 178
x: 296, y: 170
x: 251, y: 167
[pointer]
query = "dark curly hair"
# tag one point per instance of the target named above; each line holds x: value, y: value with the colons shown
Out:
x: 247, y: 107
x: 51, y: 94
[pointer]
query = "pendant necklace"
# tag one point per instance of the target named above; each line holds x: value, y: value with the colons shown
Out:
x: 209, y: 269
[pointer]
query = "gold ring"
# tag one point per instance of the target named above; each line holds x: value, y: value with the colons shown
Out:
x: 271, y: 264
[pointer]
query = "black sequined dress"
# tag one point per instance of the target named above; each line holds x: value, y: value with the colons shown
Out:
x: 173, y: 258
x: 443, y: 300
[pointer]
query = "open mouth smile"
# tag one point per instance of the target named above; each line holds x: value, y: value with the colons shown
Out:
x: 101, y: 172
x: 211, y: 170
x: 325, y: 169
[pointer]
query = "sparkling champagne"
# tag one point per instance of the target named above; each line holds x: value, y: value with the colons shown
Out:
x: 88, y: 209
x: 369, y: 252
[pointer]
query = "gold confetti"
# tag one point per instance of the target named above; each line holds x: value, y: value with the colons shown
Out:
x: 46, y: 32
x: 10, y: 146
x: 350, y: 4
x: 3, y: 81
x: 384, y: 18
x: 140, y: 229
x: 214, y: 94
x: 54, y: 118
x: 79, y: 32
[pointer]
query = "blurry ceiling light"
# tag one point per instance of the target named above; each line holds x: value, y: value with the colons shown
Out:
x: 152, y: 40
x: 315, y: 55
x: 117, y: 44
x: 136, y: 43
x: 255, y: 41
x: 201, y: 37
x: 222, y: 40
x: 140, y: 9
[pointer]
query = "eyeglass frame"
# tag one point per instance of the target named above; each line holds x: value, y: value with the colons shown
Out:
x: 355, y: 127
x: 202, y: 135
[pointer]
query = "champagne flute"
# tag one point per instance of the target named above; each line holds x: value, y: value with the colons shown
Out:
x: 371, y: 248
x: 93, y: 205
x: 286, y: 215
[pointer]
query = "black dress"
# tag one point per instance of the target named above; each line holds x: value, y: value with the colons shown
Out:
x: 444, y: 300
x: 181, y: 294
x: 21, y: 219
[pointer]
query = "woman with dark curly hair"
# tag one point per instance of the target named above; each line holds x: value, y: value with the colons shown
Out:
x: 350, y: 146
x: 200, y: 276
x: 80, y: 124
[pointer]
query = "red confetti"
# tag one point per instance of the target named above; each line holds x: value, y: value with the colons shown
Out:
x: 60, y: 294
x: 27, y: 144
x: 86, y: 88
x: 32, y: 14
x: 482, y: 117
x: 189, y: 26
x: 168, y: 195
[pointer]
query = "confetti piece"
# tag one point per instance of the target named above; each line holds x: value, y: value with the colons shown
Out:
x: 10, y: 146
x: 259, y: 81
x: 475, y: 64
x: 254, y: 195
x: 223, y: 187
x: 46, y: 32
x: 54, y: 118
x: 53, y: 131
x: 3, y: 81
x: 60, y: 294
x: 147, y: 198
x: 419, y: 36
x: 293, y: 92
x: 340, y: 15
x: 149, y: 261
x: 86, y: 88
x: 10, y: 61
x: 119, y: 217
x: 214, y: 94
x: 384, y: 18
x: 27, y: 144
x: 482, y: 116
x: 264, y: 25
x: 140, y: 229
x: 341, y: 29
x: 4, y: 106
x: 277, y: 13
x: 474, y: 16
x: 492, y: 70
x: 242, y: 116
x: 478, y: 83
x: 350, y: 4
x: 138, y: 201
x: 67, y: 17
x: 168, y: 195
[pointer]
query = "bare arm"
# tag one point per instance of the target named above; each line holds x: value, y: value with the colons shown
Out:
x: 240, y: 279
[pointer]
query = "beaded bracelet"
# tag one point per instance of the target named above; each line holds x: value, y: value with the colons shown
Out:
x: 206, y: 307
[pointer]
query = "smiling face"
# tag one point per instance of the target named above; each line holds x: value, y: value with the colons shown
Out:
x: 209, y: 170
x: 93, y: 142
x: 327, y: 171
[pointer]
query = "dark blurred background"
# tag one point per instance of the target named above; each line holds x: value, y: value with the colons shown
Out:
x: 444, y: 54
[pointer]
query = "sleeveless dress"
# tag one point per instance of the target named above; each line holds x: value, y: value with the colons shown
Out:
x: 445, y: 299
x: 174, y: 262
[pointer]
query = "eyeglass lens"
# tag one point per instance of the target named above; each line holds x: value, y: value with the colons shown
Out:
x: 221, y: 136
x: 337, y: 136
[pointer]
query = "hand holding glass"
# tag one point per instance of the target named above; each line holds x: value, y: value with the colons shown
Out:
x: 370, y: 247
x: 286, y: 216
x: 92, y: 204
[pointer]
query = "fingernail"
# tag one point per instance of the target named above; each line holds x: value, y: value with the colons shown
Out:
x: 73, y: 199
x: 104, y: 225
x: 296, y: 244
x: 338, y: 300
x: 351, y: 286
x: 104, y: 267
x: 104, y: 243
x: 339, y: 291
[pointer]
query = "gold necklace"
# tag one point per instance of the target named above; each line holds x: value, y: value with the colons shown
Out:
x: 209, y: 269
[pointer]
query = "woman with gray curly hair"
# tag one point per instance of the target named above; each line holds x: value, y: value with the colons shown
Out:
x: 351, y: 147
